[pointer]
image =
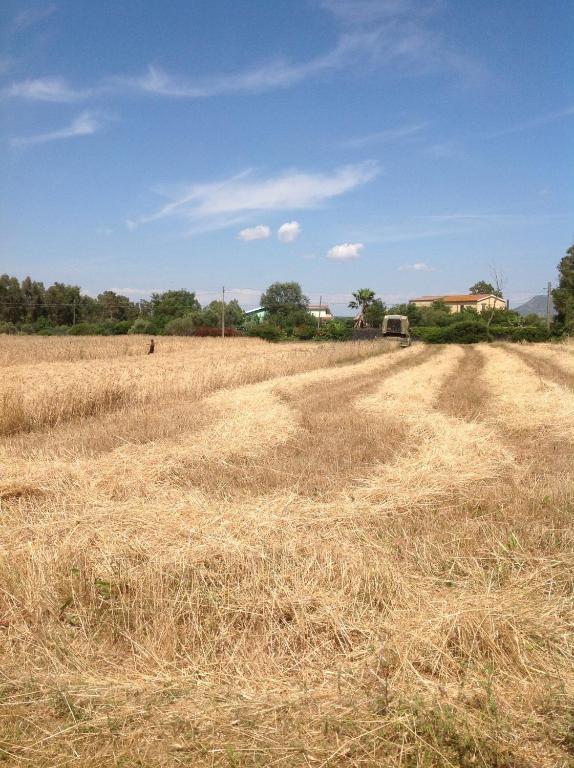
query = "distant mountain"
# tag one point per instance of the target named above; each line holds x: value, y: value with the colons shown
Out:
x: 535, y: 306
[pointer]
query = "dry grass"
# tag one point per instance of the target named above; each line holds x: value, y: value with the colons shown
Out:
x: 38, y: 394
x: 19, y: 350
x: 550, y: 361
x: 359, y: 565
x: 527, y: 400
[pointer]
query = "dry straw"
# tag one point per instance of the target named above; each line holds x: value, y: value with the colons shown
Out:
x: 306, y: 563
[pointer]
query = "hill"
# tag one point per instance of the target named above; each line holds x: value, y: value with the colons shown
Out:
x: 535, y: 306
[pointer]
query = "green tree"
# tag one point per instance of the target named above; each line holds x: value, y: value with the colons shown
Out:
x: 171, y: 304
x: 283, y: 298
x: 90, y: 310
x: 410, y: 310
x: 361, y: 300
x: 63, y: 303
x: 115, y: 307
x: 12, y: 309
x: 211, y: 315
x: 564, y: 295
x: 437, y: 314
x: 286, y: 306
x: 33, y: 295
x: 483, y: 287
x: 375, y: 313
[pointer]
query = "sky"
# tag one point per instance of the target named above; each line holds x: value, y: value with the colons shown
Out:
x: 409, y: 146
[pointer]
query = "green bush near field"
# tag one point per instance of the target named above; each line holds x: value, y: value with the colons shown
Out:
x: 474, y: 331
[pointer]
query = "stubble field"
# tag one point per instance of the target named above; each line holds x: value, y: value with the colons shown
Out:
x: 242, y: 554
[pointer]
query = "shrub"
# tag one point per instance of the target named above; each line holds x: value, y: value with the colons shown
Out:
x: 431, y: 334
x: 180, y: 326
x: 8, y: 328
x: 86, y: 329
x: 466, y: 332
x: 268, y: 331
x: 143, y: 326
x: 304, y: 331
x: 530, y: 333
x: 503, y: 332
x: 116, y: 327
x: 336, y: 330
x: 212, y: 330
x: 462, y: 332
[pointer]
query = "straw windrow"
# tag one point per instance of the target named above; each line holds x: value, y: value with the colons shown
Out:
x: 284, y: 563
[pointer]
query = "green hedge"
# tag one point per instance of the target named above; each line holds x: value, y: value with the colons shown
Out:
x: 464, y: 332
x: 268, y: 331
x: 432, y: 334
x: 474, y: 331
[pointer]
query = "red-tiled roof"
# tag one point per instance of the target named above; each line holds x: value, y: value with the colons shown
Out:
x: 456, y: 298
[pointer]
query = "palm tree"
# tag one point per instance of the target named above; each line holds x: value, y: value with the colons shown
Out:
x: 361, y: 301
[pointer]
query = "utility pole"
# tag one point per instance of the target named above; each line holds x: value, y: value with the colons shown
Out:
x: 319, y: 313
x: 548, y: 305
x: 223, y: 312
x: 74, y: 313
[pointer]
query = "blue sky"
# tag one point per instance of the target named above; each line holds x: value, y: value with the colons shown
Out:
x: 410, y: 146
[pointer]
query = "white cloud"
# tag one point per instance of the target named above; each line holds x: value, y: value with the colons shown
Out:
x: 345, y: 251
x: 289, y: 231
x: 260, y: 232
x: 387, y: 136
x: 52, y: 89
x: 86, y: 124
x: 290, y: 190
x: 418, y: 266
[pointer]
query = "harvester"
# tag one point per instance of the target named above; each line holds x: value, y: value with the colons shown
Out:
x: 397, y: 327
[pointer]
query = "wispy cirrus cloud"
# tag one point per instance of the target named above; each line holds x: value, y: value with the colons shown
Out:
x: 86, y: 124
x: 51, y: 89
x: 6, y: 64
x: 226, y: 200
x: 389, y: 135
x: 371, y: 35
x: 535, y: 122
x: 28, y: 17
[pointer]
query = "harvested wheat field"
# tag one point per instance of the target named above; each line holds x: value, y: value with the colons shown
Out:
x: 242, y: 554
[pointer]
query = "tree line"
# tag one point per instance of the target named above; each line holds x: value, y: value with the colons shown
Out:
x: 27, y: 306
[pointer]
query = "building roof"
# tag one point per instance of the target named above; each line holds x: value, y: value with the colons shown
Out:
x: 458, y: 298
x: 254, y: 311
x: 317, y: 307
